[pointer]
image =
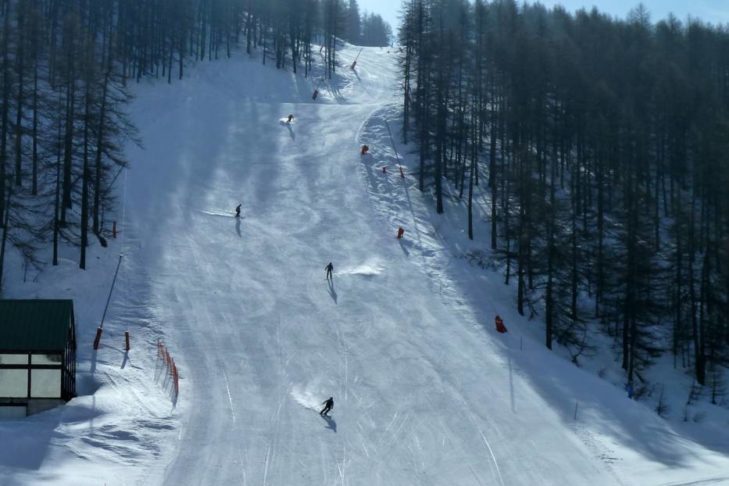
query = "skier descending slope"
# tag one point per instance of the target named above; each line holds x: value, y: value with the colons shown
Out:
x: 329, y: 268
x: 328, y: 405
x: 237, y: 211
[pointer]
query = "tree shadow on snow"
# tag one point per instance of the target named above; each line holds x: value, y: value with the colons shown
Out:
x: 577, y: 397
x: 331, y: 424
x: 334, y: 86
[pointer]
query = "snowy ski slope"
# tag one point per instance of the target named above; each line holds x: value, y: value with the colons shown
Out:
x: 425, y: 393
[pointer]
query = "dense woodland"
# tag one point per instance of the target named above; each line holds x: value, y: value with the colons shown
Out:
x: 66, y: 66
x: 602, y: 146
x: 365, y: 29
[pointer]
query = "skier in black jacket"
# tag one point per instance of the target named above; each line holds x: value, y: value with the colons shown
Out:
x: 328, y: 405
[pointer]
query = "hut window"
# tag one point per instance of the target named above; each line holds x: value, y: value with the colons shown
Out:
x: 13, y: 383
x: 45, y: 383
x: 46, y: 359
x: 13, y: 359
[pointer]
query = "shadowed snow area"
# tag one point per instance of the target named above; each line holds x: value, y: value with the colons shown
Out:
x: 425, y: 393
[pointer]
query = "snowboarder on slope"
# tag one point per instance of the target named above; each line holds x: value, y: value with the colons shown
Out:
x: 290, y: 119
x: 328, y: 405
x: 237, y: 211
x: 400, y: 232
x: 329, y: 268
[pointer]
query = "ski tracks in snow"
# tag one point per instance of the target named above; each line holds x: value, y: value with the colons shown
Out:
x: 390, y: 194
x: 599, y: 450
x: 393, y: 200
x: 230, y: 398
x: 493, y: 457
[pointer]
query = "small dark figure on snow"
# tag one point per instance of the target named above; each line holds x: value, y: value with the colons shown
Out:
x: 237, y: 211
x: 290, y: 119
x: 329, y: 268
x: 328, y: 406
x: 500, y: 327
x: 316, y: 93
x: 400, y: 232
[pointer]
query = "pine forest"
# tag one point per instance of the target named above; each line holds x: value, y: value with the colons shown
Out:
x: 603, y: 148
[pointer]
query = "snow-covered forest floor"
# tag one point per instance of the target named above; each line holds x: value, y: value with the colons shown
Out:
x: 425, y: 391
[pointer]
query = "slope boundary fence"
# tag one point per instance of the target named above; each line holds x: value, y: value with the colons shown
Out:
x: 166, y: 372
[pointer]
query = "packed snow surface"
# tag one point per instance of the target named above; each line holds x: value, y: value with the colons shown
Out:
x: 425, y: 392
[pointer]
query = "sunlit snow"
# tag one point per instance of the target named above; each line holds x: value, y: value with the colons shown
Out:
x: 425, y: 391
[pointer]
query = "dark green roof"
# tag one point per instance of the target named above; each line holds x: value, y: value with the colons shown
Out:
x: 34, y: 325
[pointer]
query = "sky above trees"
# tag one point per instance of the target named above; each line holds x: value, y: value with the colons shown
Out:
x: 715, y: 11
x: 389, y: 10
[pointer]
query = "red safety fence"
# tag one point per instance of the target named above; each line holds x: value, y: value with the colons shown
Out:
x: 170, y: 369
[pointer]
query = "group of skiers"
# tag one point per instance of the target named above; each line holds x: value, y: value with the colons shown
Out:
x: 329, y: 268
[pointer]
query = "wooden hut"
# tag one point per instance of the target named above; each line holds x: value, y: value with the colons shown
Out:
x: 37, y: 355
